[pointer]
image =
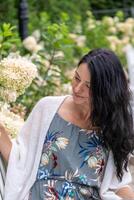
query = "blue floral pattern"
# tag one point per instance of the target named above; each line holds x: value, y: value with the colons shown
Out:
x: 72, y: 163
x: 92, y: 154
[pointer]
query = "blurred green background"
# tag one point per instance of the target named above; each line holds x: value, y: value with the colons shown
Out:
x: 58, y: 34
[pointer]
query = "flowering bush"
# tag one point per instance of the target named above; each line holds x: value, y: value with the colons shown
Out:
x: 51, y: 49
x: 10, y: 120
x: 16, y: 75
x: 55, y: 49
x: 110, y: 32
x: 30, y: 43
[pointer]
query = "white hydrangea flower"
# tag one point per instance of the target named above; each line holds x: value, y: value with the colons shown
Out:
x: 79, y: 39
x: 31, y: 44
x: 121, y: 26
x: 16, y: 75
x: 36, y: 34
x: 59, y: 54
x: 129, y: 29
x: 12, y: 122
x: 73, y: 36
x: 130, y: 20
x: 112, y: 30
x: 125, y: 40
x: 91, y: 23
x: 109, y: 21
x: 8, y: 95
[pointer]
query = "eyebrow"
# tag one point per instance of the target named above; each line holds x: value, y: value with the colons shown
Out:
x: 79, y: 77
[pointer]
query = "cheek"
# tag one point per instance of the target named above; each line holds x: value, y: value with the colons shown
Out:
x: 73, y: 83
x: 88, y: 92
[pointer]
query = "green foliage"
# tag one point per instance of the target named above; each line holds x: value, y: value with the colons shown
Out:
x: 96, y: 37
x: 120, y: 15
x: 75, y: 9
x: 52, y: 60
x: 55, y: 37
x: 9, y: 40
x: 62, y: 26
x: 72, y: 8
x: 8, y: 11
x: 104, y: 4
x: 46, y: 84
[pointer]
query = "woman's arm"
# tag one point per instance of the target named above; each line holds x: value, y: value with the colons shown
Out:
x: 5, y: 143
x: 126, y: 193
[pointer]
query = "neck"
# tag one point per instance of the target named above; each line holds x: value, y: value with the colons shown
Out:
x: 83, y: 110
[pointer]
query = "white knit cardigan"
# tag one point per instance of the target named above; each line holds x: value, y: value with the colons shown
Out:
x: 26, y: 152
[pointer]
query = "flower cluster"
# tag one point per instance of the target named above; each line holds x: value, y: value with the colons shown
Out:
x: 30, y: 43
x: 10, y: 121
x: 17, y: 74
x: 78, y: 39
x: 119, y: 33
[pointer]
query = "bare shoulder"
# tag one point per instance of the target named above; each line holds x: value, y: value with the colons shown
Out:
x: 69, y: 113
x: 45, y: 101
x: 66, y: 106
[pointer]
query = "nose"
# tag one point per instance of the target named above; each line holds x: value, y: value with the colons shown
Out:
x: 79, y: 88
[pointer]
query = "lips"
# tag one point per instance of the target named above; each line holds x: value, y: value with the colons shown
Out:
x: 78, y: 95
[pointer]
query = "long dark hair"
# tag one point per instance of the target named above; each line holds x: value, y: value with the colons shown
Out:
x: 111, y: 109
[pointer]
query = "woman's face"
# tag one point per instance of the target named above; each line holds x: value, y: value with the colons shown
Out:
x: 81, y: 84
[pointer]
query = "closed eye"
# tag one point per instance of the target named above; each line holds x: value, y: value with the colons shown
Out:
x: 77, y: 78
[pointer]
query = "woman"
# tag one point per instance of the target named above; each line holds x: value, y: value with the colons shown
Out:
x: 76, y: 146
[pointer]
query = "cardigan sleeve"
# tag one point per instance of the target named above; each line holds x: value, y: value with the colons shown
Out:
x: 2, y: 176
x: 27, y: 147
x: 21, y: 143
x: 126, y: 180
x: 110, y: 183
x: 20, y: 156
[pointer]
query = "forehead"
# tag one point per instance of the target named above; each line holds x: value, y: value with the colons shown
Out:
x: 84, y: 71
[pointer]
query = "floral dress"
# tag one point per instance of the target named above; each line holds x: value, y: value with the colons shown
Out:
x: 72, y: 163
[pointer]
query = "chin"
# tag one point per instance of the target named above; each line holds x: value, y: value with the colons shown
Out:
x: 78, y: 100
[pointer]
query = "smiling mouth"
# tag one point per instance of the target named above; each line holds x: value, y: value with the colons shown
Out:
x: 78, y: 96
